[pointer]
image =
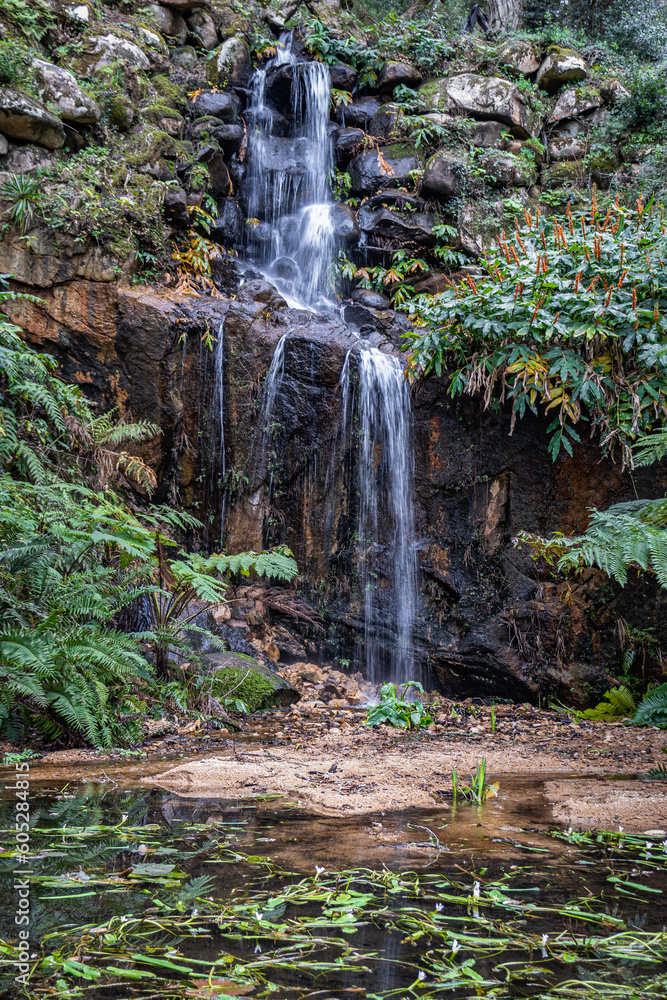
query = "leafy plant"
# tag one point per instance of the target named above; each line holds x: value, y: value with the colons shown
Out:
x: 569, y: 317
x: 32, y: 19
x: 392, y: 280
x: 22, y: 194
x: 395, y: 711
x: 652, y: 709
x: 15, y: 758
x: 478, y: 790
x: 617, y: 703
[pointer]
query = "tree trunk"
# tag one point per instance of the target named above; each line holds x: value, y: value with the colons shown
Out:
x: 505, y: 15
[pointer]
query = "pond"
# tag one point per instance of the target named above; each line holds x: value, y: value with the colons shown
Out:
x: 136, y: 892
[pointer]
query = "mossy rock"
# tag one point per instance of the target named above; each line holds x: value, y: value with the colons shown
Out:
x: 566, y: 174
x: 157, y: 112
x: 398, y: 150
x: 151, y: 145
x: 121, y: 112
x: 243, y: 677
x: 171, y: 94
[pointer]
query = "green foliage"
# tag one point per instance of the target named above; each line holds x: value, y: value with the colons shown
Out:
x: 652, y: 709
x: 15, y: 63
x: 10, y: 759
x: 22, y: 194
x: 569, y: 317
x: 395, y: 711
x: 617, y: 703
x: 479, y: 790
x: 393, y: 280
x: 32, y: 19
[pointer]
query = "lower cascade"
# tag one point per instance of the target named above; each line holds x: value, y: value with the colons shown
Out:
x: 386, y: 554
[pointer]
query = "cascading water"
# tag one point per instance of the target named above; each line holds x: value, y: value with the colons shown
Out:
x: 290, y: 232
x: 291, y: 238
x: 386, y: 555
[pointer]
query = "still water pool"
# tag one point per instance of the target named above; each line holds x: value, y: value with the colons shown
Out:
x: 140, y: 893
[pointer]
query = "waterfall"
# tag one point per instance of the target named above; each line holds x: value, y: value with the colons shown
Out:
x: 219, y: 417
x: 290, y: 233
x: 386, y: 554
x: 259, y: 458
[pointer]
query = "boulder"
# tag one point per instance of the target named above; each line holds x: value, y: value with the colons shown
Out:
x: 228, y: 137
x: 383, y: 122
x: 370, y: 299
x: 155, y: 47
x: 574, y: 102
x: 491, y: 97
x: 184, y: 56
x: 394, y: 73
x: 343, y: 77
x: 228, y: 227
x: 219, y: 105
x: 612, y: 90
x: 488, y: 134
x: 560, y: 66
x: 407, y: 229
x: 368, y: 172
x: 217, y: 170
x: 202, y: 25
x: 168, y: 22
x: 4, y: 146
x: 564, y: 174
x: 567, y: 149
x: 23, y: 118
x: 59, y: 87
x: 121, y: 112
x: 572, y: 127
x: 229, y: 65
x: 359, y: 113
x: 347, y: 143
x: 520, y: 55
x: 25, y: 159
x: 443, y: 176
x: 327, y: 11
x: 434, y: 95
x: 508, y: 170
x: 105, y: 50
x: 345, y: 224
x: 175, y: 206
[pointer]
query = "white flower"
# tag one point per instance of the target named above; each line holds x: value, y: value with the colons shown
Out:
x: 422, y: 975
x: 439, y: 907
x: 620, y: 829
x: 195, y: 913
x: 475, y: 890
x: 545, y: 938
x: 318, y: 870
x: 649, y: 845
x: 664, y: 845
x: 259, y: 915
x: 455, y: 946
x: 257, y: 949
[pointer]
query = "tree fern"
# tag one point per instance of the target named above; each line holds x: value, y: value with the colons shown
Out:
x: 653, y: 709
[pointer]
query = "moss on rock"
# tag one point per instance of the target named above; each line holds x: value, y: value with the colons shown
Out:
x: 238, y: 676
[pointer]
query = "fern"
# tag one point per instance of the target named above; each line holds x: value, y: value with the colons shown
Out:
x: 652, y: 710
x: 617, y: 703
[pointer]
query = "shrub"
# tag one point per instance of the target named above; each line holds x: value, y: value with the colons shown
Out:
x: 567, y: 317
x: 652, y: 710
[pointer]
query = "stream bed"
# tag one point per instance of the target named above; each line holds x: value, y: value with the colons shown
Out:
x: 136, y: 891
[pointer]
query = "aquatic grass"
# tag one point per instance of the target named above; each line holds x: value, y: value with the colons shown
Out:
x: 188, y: 905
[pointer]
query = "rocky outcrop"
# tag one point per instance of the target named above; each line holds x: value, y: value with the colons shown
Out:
x: 495, y: 99
x: 369, y: 171
x: 59, y: 87
x: 229, y: 65
x: 560, y: 66
x: 23, y: 118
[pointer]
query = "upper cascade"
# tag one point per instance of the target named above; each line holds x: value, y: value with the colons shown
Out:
x: 290, y: 232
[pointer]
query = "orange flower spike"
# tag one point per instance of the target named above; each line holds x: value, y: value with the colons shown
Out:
x: 538, y: 268
x: 544, y: 239
x: 622, y: 279
x: 656, y: 314
x: 594, y: 204
x: 583, y: 227
x: 634, y: 297
x: 529, y: 218
x: 576, y: 283
x: 606, y: 219
x: 587, y: 255
x: 516, y: 259
x: 608, y: 299
x: 519, y: 240
x: 556, y: 318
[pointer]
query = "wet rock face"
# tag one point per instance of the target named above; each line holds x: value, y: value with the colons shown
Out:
x: 23, y: 118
